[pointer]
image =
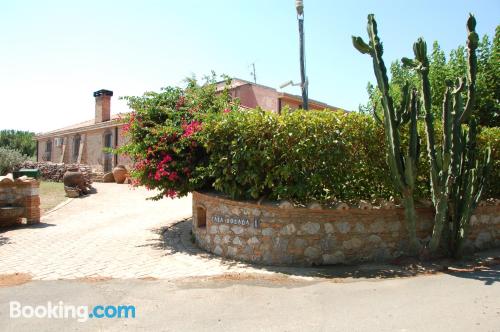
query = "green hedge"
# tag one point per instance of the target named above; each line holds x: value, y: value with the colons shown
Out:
x: 308, y: 156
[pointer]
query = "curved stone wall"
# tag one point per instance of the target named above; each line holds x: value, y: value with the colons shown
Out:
x: 271, y: 235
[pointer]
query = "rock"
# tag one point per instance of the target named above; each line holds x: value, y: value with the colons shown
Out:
x: 237, y: 241
x: 232, y: 251
x: 377, y: 226
x: 364, y: 205
x: 388, y: 205
x: 314, y: 206
x: 223, y: 229
x: 268, y: 231
x: 237, y: 230
x: 300, y: 243
x: 311, y: 252
x: 482, y: 240
x: 353, y: 243
x: 328, y: 228
x: 341, y: 206
x: 253, y: 241
x: 285, y: 205
x: 288, y: 229
x: 374, y: 238
x: 310, y: 228
x: 343, y: 227
x: 336, y: 258
x: 218, y: 250
x: 213, y: 229
x: 217, y: 239
x: 108, y: 177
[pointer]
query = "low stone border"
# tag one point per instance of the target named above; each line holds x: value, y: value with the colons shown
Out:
x: 271, y: 235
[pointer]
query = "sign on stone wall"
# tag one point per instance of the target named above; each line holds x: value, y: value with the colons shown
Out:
x: 235, y: 220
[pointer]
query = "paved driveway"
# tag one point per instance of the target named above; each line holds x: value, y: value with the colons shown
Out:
x: 114, y: 233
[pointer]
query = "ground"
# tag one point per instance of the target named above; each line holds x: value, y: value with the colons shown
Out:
x: 114, y: 247
x: 51, y: 195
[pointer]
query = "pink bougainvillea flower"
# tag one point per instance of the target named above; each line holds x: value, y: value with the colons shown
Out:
x: 191, y: 128
x: 171, y: 193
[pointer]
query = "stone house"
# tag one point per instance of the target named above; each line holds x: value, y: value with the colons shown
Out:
x: 85, y: 142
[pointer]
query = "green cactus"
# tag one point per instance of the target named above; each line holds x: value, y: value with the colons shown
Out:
x: 403, y: 165
x: 457, y: 177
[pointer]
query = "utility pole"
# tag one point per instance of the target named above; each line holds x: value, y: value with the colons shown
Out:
x: 299, y: 5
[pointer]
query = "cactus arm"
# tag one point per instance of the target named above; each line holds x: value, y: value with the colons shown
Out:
x: 402, y: 167
x: 421, y: 64
x: 472, y: 44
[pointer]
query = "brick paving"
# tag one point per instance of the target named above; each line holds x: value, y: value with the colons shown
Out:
x: 114, y: 233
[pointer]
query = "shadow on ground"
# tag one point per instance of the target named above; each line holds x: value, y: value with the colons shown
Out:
x: 177, y: 238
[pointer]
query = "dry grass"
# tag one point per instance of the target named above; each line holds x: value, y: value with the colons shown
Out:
x: 51, y: 195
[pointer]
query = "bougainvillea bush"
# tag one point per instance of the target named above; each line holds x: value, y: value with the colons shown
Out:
x: 163, y: 131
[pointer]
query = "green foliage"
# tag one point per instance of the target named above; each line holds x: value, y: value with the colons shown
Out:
x: 299, y: 156
x: 163, y: 135
x: 10, y: 159
x: 490, y: 137
x: 441, y: 70
x: 22, y: 141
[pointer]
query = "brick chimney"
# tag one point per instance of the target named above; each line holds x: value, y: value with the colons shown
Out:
x: 102, y: 105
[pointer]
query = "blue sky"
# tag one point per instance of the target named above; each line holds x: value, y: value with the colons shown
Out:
x: 56, y: 53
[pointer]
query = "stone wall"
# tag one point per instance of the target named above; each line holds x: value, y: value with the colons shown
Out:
x: 22, y: 194
x: 55, y: 171
x: 268, y: 234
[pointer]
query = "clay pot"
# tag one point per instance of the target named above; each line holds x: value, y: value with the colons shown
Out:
x: 120, y: 174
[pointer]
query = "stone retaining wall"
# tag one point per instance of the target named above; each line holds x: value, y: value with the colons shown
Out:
x: 268, y: 234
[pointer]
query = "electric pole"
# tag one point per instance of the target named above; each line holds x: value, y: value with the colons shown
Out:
x: 299, y: 5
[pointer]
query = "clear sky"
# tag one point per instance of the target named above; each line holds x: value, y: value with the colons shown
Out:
x: 54, y: 54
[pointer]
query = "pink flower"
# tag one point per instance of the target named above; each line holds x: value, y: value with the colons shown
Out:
x: 227, y: 110
x: 191, y: 128
x: 171, y: 193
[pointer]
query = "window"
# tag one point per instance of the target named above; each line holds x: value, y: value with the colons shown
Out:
x: 48, y: 150
x: 76, y: 147
x: 108, y: 157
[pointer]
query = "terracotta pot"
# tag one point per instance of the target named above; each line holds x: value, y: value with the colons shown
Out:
x: 120, y: 174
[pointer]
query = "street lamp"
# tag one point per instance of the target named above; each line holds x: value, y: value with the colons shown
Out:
x: 299, y: 5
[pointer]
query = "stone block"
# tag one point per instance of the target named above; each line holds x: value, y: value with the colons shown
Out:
x: 311, y: 228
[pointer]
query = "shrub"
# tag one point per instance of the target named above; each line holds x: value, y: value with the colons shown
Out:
x: 300, y: 156
x: 491, y: 137
x: 10, y: 159
x: 163, y: 130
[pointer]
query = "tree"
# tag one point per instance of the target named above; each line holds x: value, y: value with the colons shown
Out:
x: 441, y: 71
x: 22, y: 141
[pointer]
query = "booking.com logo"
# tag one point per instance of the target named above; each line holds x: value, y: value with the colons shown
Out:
x: 67, y: 311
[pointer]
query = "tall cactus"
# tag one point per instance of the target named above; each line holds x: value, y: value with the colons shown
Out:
x: 403, y: 165
x: 457, y: 177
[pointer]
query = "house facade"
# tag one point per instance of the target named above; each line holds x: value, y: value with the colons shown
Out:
x: 87, y: 142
